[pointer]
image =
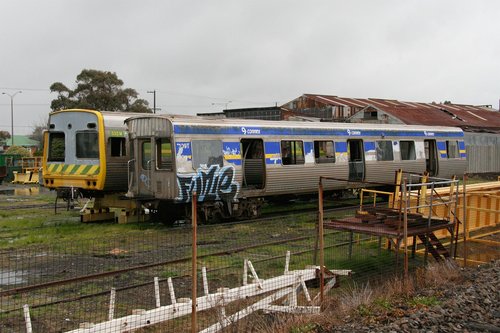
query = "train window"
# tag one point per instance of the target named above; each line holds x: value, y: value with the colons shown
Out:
x: 324, y: 152
x: 163, y: 154
x: 384, y: 150
x: 146, y: 155
x: 117, y: 146
x: 207, y: 153
x: 452, y: 149
x: 87, y: 144
x: 292, y: 152
x: 407, y: 149
x: 56, y: 147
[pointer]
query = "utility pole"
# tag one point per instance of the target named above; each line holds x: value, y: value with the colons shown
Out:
x: 154, y: 99
x: 12, y: 113
x: 225, y: 104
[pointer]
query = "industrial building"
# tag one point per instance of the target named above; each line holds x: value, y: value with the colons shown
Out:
x: 481, y: 123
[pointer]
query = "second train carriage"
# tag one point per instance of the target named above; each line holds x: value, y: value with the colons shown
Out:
x: 233, y: 163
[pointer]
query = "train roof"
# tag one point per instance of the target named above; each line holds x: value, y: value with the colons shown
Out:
x: 104, y: 113
x: 111, y: 118
x: 230, y: 122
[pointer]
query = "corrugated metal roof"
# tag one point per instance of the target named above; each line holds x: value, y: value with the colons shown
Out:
x: 418, y: 113
x: 22, y: 140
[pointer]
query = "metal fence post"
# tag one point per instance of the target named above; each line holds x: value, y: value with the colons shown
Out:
x: 405, y: 229
x: 465, y: 226
x: 194, y: 286
x: 321, y: 242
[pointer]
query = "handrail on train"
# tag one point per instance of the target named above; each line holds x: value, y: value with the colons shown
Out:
x: 129, y: 174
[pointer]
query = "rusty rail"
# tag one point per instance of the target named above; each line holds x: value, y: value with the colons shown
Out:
x: 138, y: 285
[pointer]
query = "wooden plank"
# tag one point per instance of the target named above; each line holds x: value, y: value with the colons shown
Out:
x: 176, y: 310
x: 260, y: 305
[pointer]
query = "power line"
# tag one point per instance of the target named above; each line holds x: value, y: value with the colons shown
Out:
x: 29, y: 89
x: 25, y: 126
x: 168, y: 92
x: 28, y: 104
x: 210, y: 97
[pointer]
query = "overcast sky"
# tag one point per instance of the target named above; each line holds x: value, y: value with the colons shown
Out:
x: 201, y: 55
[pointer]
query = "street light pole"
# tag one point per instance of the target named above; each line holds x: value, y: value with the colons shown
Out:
x: 154, y: 99
x: 12, y: 113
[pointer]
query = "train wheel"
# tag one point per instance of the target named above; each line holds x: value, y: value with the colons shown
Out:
x: 252, y: 209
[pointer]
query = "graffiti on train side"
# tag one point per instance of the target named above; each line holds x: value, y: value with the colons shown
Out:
x: 214, y: 183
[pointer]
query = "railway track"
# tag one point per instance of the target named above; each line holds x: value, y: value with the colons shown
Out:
x: 187, y: 227
x: 31, y: 206
x: 181, y: 224
x: 88, y: 277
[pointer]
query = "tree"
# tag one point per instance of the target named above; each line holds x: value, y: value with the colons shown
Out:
x: 18, y: 150
x: 98, y: 90
x: 4, y: 135
x: 37, y: 134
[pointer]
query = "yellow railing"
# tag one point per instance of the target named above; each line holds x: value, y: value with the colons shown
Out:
x: 375, y: 192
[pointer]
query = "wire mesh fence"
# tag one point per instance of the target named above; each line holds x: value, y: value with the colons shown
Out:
x: 122, y: 282
x: 68, y: 286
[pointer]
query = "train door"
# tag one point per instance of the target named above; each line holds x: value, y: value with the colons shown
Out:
x: 163, y: 178
x: 356, y: 159
x: 145, y: 164
x: 431, y: 160
x: 253, y: 163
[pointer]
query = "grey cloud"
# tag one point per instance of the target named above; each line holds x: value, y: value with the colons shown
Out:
x: 253, y: 53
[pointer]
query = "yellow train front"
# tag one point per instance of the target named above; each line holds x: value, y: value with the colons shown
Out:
x: 86, y: 150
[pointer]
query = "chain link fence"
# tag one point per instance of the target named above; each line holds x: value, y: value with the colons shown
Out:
x: 144, y: 281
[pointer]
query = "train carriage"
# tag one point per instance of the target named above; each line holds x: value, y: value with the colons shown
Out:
x: 233, y: 163
x: 86, y: 150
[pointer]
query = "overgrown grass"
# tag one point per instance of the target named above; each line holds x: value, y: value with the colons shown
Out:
x: 367, y: 303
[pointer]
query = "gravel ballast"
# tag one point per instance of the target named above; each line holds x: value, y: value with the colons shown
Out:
x: 468, y: 305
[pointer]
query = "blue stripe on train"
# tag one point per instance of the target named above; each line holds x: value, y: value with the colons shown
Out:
x: 273, y: 152
x: 441, y: 146
x: 369, y: 146
x: 232, y: 149
x: 461, y: 147
x: 341, y: 147
x: 308, y: 148
x: 260, y: 131
x: 183, y: 149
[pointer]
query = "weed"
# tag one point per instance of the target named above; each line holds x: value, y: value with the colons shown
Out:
x: 305, y: 328
x: 437, y: 274
x: 355, y: 296
x: 364, y: 310
x: 424, y: 300
x: 383, y: 303
x: 397, y: 286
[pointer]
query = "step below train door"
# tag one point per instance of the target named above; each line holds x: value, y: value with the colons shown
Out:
x: 356, y: 160
x: 253, y: 164
x: 431, y: 161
